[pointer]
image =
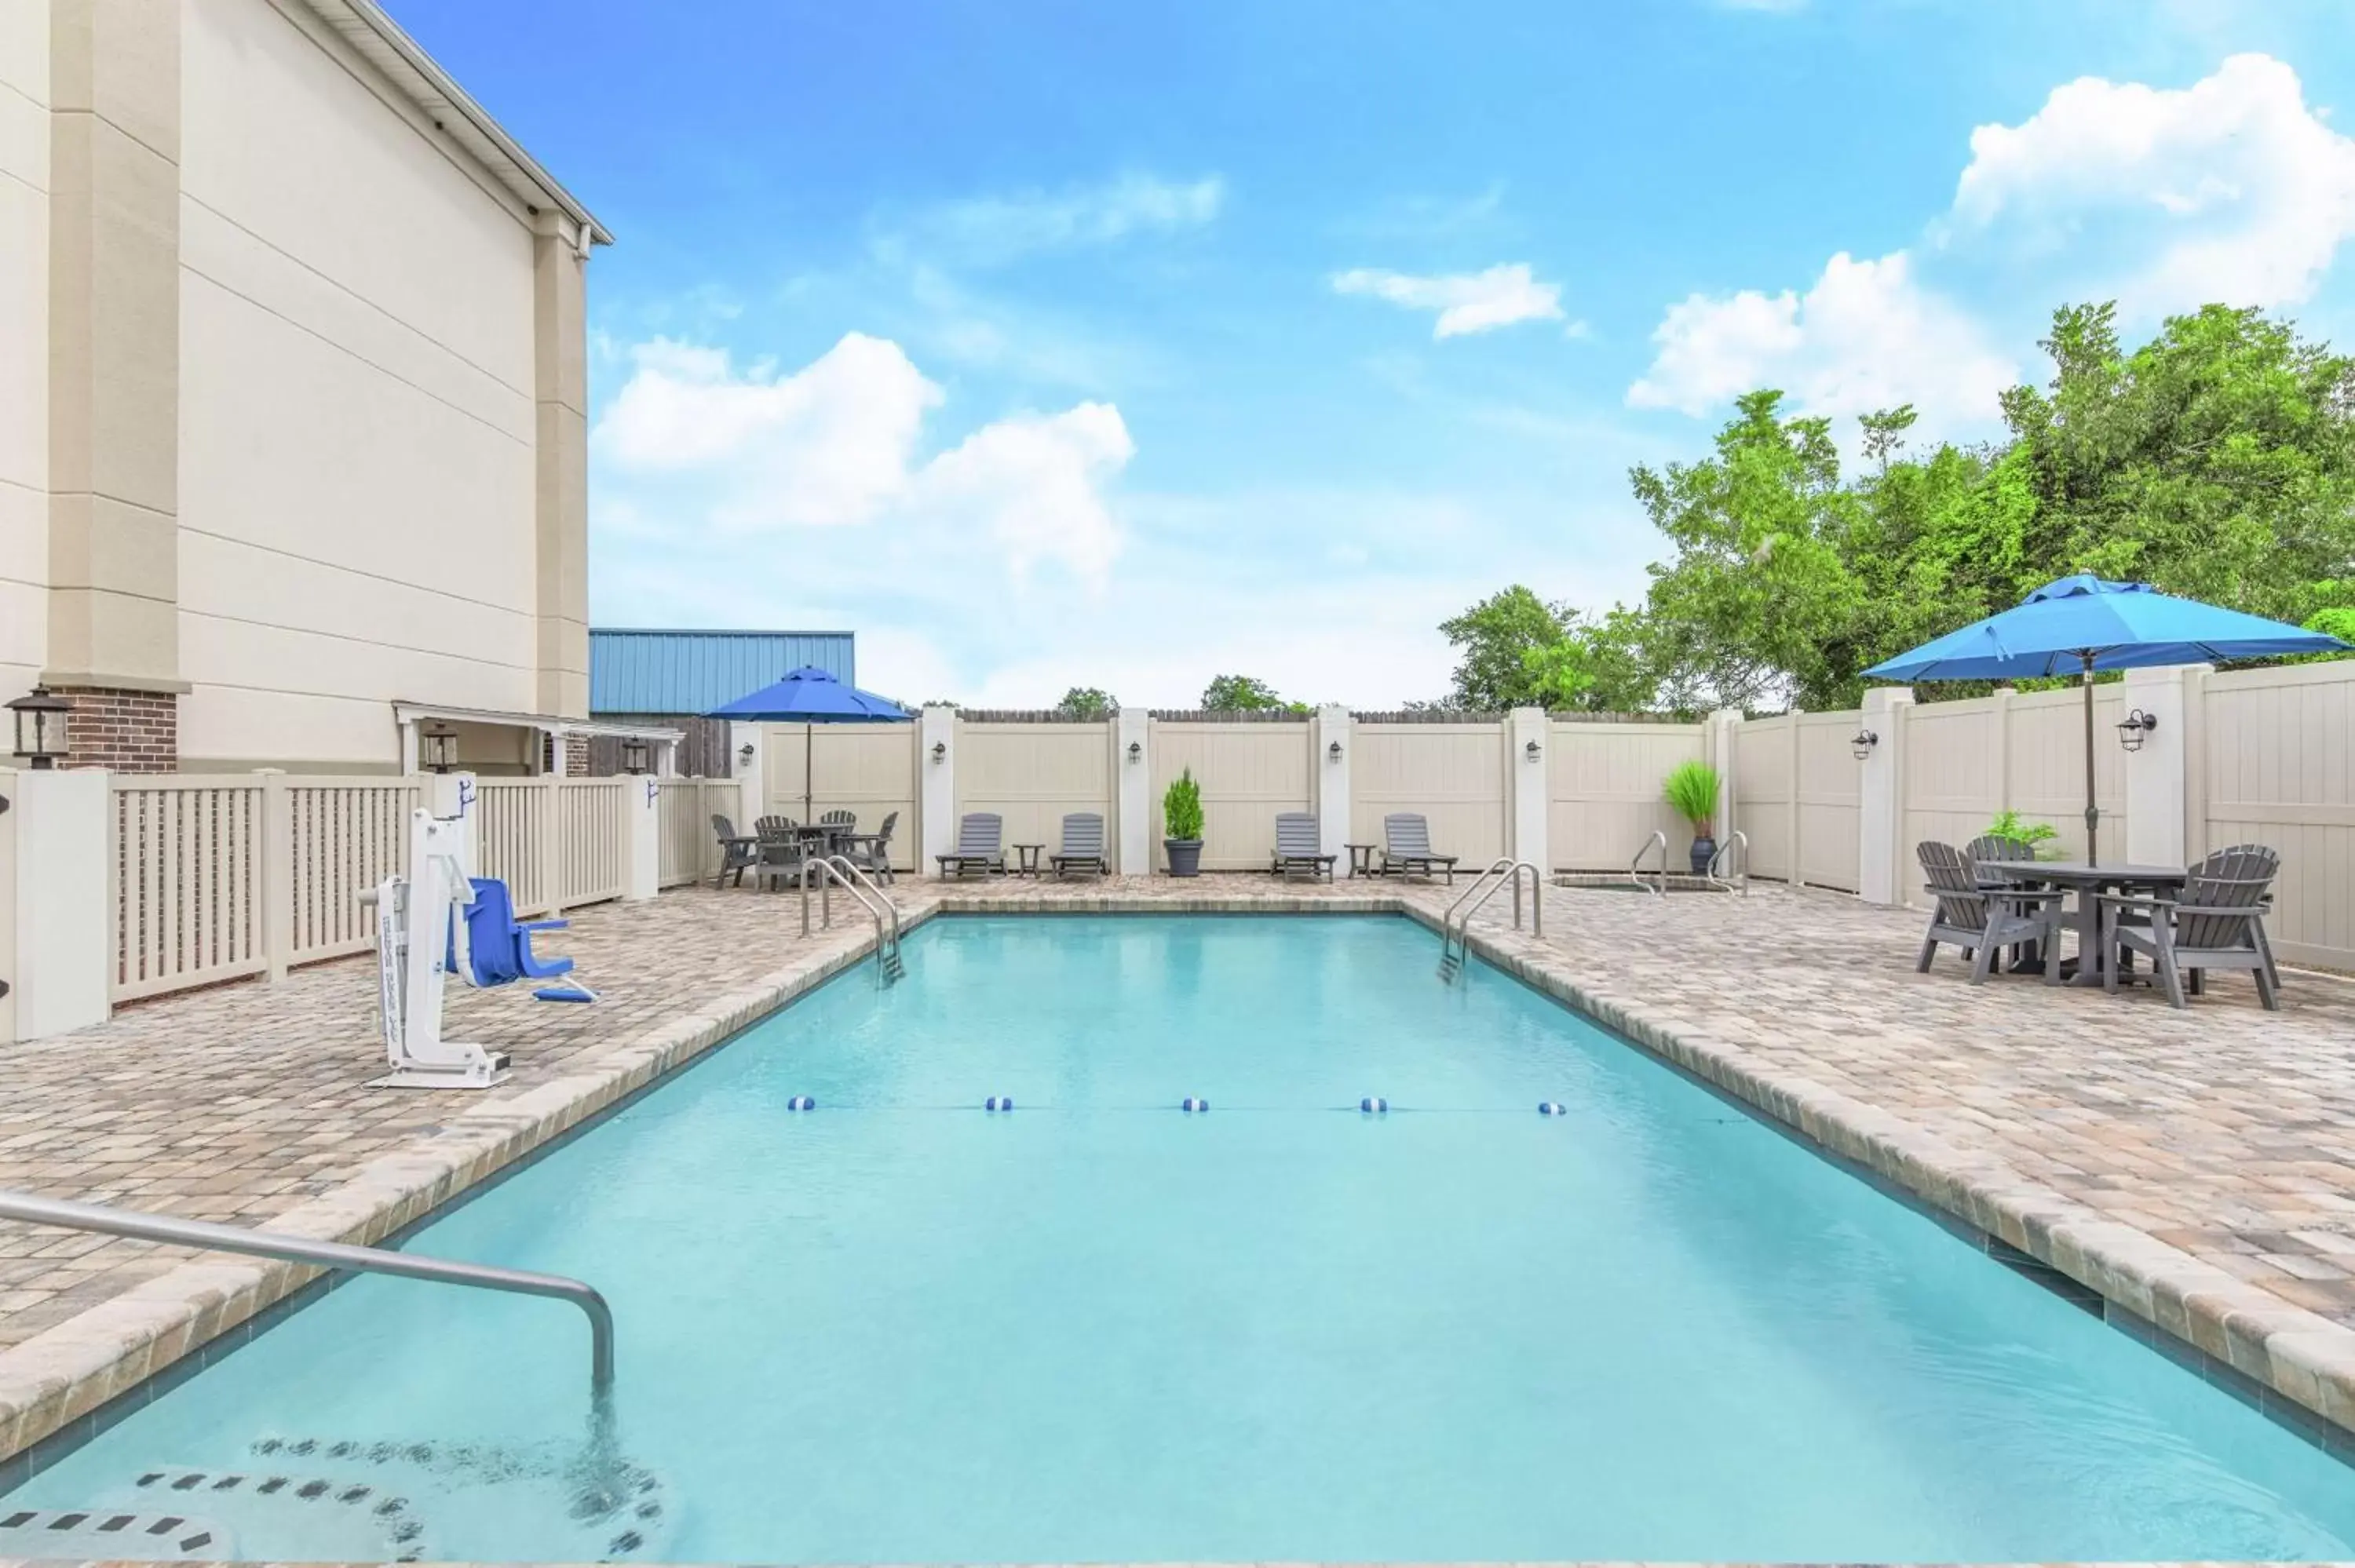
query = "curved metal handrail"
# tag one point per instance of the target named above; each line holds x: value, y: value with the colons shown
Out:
x: 854, y: 877
x: 1636, y: 866
x: 838, y: 870
x: 211, y: 1237
x: 1455, y: 937
x: 1724, y: 857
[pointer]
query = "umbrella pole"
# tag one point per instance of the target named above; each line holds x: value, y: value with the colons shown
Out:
x: 2093, y: 812
x: 809, y: 744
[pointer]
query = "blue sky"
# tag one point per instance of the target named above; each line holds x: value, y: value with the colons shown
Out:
x: 1051, y: 344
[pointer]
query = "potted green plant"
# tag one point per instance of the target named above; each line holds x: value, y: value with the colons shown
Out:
x: 1692, y: 789
x: 2010, y: 824
x: 1181, y: 825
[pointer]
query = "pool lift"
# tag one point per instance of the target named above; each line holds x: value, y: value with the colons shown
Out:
x: 1455, y: 930
x: 453, y: 922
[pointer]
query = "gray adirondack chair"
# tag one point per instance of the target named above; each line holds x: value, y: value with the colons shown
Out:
x: 1983, y: 921
x: 1406, y: 847
x: 1083, y: 847
x: 1298, y: 847
x: 872, y: 854
x: 738, y: 853
x: 977, y: 852
x: 782, y: 852
x: 2217, y: 922
x: 2265, y: 907
x: 1991, y: 848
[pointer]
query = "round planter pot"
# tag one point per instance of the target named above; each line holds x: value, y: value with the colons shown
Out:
x: 1704, y: 850
x: 1185, y: 857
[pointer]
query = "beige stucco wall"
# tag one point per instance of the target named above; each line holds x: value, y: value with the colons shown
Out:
x: 24, y: 342
x: 358, y: 463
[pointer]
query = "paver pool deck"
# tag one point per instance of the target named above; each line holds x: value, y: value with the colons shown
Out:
x: 2195, y: 1168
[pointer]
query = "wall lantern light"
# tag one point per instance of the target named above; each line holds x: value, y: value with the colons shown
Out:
x: 1334, y: 751
x: 1860, y: 744
x: 1137, y: 751
x: 41, y: 727
x: 2135, y: 728
x: 437, y: 745
x: 940, y: 751
x: 744, y: 754
x: 635, y: 757
x: 1530, y: 751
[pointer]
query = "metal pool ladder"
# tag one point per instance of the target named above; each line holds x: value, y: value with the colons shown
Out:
x: 204, y: 1233
x: 1456, y: 936
x: 1636, y: 866
x: 834, y: 870
x: 1723, y: 859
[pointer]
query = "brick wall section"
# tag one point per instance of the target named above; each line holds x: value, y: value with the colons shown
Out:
x: 576, y: 756
x: 130, y: 732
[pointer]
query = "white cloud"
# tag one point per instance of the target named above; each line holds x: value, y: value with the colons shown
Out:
x: 719, y: 454
x: 1864, y: 336
x: 999, y: 227
x: 2232, y: 189
x: 1466, y: 301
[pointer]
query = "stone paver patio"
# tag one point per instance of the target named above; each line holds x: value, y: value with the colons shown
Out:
x: 2197, y: 1167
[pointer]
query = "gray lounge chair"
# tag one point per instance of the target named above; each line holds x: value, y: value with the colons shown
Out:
x: 1406, y: 848
x: 1083, y: 847
x: 1298, y: 847
x: 738, y: 852
x: 977, y: 851
x: 1983, y: 921
x: 2217, y: 923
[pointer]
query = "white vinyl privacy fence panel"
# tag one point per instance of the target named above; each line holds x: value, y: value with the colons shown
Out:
x: 1797, y: 790
x: 1033, y: 774
x: 1250, y: 774
x: 1606, y: 780
x: 592, y: 846
x: 869, y: 770
x: 514, y: 840
x: 2276, y: 766
x: 1453, y: 774
x: 684, y: 809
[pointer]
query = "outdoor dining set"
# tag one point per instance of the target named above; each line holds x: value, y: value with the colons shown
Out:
x: 1994, y: 897
x: 778, y: 850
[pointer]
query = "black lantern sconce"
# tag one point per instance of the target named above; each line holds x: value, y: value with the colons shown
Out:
x: 1334, y: 751
x: 1530, y: 751
x: 437, y: 746
x: 1861, y: 743
x: 636, y: 754
x: 41, y: 727
x: 940, y: 751
x: 1137, y: 751
x: 2135, y: 728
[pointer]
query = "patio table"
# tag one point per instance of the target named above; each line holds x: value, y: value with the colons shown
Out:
x: 2087, y: 881
x: 1361, y: 859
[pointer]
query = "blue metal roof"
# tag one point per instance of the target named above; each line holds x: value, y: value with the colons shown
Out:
x: 687, y: 671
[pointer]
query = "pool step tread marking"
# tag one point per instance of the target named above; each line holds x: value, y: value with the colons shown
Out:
x: 102, y: 1533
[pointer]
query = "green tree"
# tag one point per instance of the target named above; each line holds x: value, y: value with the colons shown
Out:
x: 1498, y: 636
x: 1239, y: 694
x: 1088, y: 702
x: 1596, y: 666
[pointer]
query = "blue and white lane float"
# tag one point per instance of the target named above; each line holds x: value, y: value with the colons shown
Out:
x: 1552, y: 1108
x: 800, y: 1103
x: 1373, y: 1104
x: 1192, y: 1104
x: 998, y: 1103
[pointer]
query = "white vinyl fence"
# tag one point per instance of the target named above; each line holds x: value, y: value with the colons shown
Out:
x: 1797, y: 790
x: 690, y: 846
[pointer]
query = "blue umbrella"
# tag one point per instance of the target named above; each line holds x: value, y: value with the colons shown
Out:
x: 810, y: 697
x: 2083, y: 623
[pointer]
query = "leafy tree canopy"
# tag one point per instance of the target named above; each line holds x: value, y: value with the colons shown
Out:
x: 1245, y: 693
x: 1088, y: 702
x: 2216, y: 460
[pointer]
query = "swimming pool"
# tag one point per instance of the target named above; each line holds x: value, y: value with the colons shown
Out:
x: 900, y: 1327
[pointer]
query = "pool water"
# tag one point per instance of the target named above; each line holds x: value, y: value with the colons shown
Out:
x: 901, y: 1328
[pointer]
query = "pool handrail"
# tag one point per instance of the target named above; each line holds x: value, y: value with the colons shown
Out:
x: 1636, y: 866
x: 106, y: 1220
x: 1723, y: 856
x: 840, y: 869
x: 1456, y: 941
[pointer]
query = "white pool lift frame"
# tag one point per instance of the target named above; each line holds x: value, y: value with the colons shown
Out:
x: 420, y: 933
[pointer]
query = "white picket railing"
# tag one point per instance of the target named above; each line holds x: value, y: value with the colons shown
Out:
x: 186, y: 870
x: 690, y: 850
x: 217, y: 877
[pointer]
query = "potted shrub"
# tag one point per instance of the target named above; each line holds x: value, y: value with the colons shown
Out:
x: 1692, y: 789
x: 2037, y: 836
x: 1181, y: 825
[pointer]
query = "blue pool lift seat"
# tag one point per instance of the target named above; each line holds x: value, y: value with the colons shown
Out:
x: 498, y: 946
